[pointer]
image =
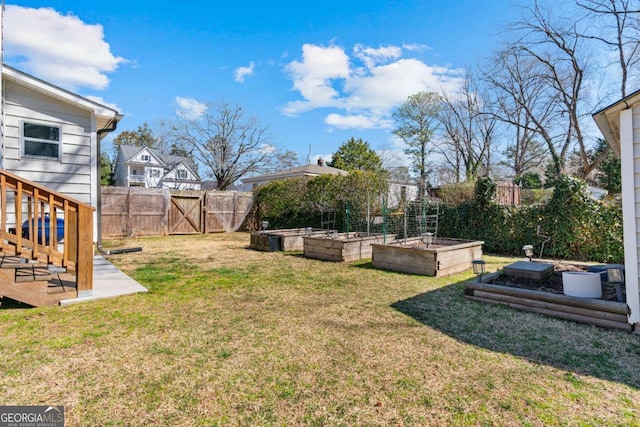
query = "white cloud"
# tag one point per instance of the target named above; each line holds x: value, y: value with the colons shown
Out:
x: 58, y: 48
x: 190, y: 108
x: 314, y: 75
x: 242, y: 72
x: 366, y: 87
x: 101, y: 101
x: 371, y: 56
x: 415, y: 47
x: 267, y: 149
x: 388, y: 85
x: 357, y: 121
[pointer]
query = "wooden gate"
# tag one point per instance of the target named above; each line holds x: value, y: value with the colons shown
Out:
x: 185, y: 213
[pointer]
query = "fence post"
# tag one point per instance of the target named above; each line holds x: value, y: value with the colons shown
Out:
x: 347, y: 218
x: 405, y: 223
x: 385, y: 213
x: 368, y: 214
x: 84, y: 266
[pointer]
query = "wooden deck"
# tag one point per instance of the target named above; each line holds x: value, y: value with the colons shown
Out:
x: 47, y: 289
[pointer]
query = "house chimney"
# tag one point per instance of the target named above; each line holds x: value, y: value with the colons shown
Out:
x: 320, y: 161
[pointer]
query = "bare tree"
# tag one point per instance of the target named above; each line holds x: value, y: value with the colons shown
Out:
x: 618, y: 31
x: 517, y: 101
x: 554, y: 47
x: 525, y: 152
x: 468, y: 130
x: 225, y: 142
x: 522, y: 100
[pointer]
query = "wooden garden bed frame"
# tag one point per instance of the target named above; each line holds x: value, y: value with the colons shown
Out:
x: 606, y: 314
x: 446, y: 256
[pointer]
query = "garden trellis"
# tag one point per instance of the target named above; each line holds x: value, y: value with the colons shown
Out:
x: 374, y: 217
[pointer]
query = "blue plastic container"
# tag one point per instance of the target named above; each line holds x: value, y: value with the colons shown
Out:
x: 47, y: 221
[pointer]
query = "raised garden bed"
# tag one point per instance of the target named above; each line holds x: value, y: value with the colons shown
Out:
x: 261, y: 241
x: 445, y: 256
x: 342, y: 246
x: 546, y: 297
x: 289, y: 239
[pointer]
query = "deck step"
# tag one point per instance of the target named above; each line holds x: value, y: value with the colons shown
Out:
x: 28, y: 270
x: 32, y: 275
x: 22, y: 265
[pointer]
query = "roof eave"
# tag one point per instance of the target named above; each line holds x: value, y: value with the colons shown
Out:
x: 103, y: 112
x: 608, y: 120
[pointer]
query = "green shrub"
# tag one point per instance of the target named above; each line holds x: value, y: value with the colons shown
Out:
x: 299, y: 202
x: 579, y: 226
x: 534, y: 197
x: 456, y: 194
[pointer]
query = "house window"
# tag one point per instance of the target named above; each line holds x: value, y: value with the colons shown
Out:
x: 145, y: 157
x: 155, y: 173
x: 182, y: 174
x: 42, y: 141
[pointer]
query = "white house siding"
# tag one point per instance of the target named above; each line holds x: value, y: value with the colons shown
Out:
x: 171, y: 180
x: 181, y: 185
x: 72, y: 175
x: 630, y: 158
x: 139, y: 158
x: 75, y: 174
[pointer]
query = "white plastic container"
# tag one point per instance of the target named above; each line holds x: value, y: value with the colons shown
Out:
x: 581, y: 284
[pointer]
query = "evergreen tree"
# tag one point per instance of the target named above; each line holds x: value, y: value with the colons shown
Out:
x: 608, y: 173
x: 141, y: 137
x: 106, y: 170
x: 356, y: 154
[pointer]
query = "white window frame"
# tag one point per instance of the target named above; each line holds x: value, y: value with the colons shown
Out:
x: 24, y: 139
x: 182, y: 174
x: 145, y: 157
x: 154, y: 173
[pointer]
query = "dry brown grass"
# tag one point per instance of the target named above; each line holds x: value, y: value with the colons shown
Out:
x: 230, y: 336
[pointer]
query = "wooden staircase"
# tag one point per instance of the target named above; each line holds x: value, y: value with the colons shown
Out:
x: 41, y: 264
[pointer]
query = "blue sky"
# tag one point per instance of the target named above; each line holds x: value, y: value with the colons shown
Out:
x: 316, y: 73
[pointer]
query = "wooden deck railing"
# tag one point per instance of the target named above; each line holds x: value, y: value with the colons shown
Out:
x: 26, y: 208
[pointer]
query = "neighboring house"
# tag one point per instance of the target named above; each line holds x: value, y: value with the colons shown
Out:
x: 401, y: 192
x: 52, y: 136
x: 147, y: 167
x: 254, y: 182
x: 620, y: 125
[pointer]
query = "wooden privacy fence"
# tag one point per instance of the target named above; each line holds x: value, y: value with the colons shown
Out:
x: 129, y: 212
x: 508, y: 194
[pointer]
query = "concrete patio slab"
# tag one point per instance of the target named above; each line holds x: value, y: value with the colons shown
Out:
x: 108, y: 282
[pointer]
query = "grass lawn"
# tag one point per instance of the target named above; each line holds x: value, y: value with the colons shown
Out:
x: 231, y: 336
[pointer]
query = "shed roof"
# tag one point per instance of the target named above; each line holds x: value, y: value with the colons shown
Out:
x: 306, y: 170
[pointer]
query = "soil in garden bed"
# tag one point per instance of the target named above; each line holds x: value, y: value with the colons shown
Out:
x: 554, y: 283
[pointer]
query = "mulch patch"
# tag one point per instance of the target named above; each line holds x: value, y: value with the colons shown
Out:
x: 554, y: 283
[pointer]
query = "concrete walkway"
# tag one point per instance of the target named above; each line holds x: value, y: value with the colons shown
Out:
x: 108, y: 282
